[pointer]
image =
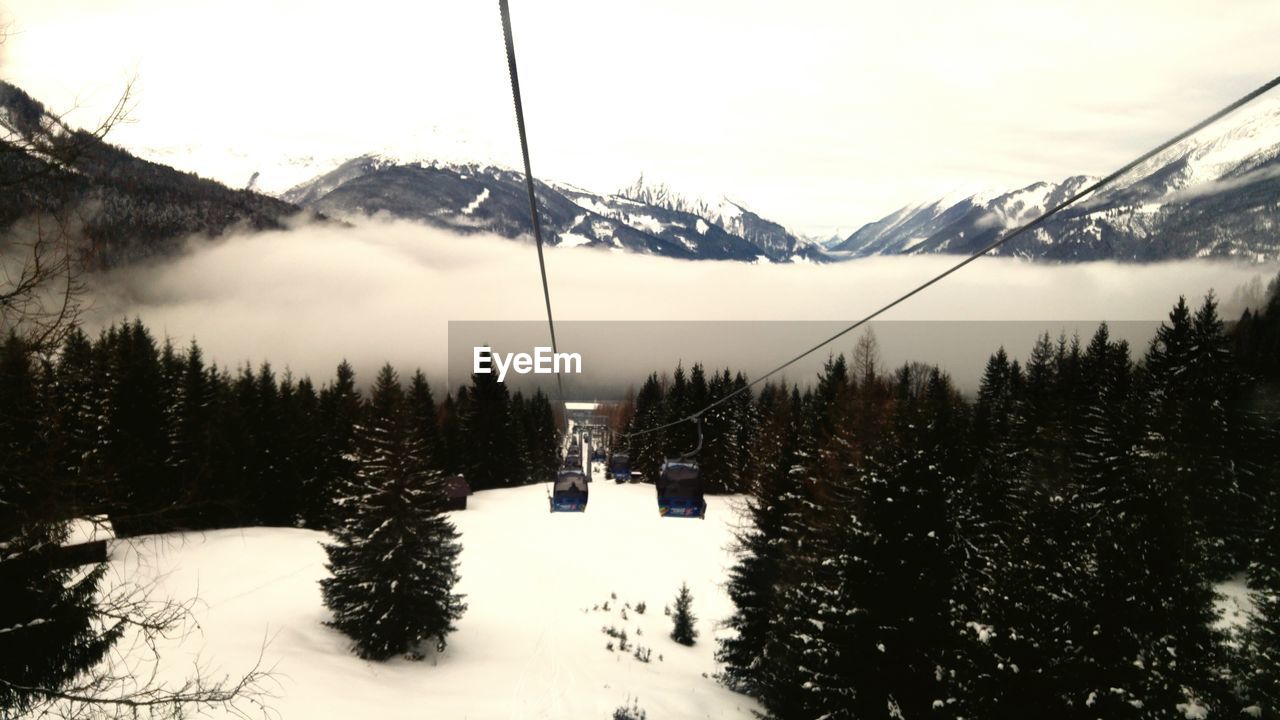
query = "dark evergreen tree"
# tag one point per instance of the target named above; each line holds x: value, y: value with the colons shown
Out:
x: 683, y: 621
x: 394, y: 557
x: 340, y: 408
x: 1262, y: 639
x: 426, y: 420
x: 1155, y: 650
x: 51, y: 629
x: 491, y: 453
x: 885, y: 635
x: 646, y: 450
x: 755, y: 577
x: 191, y: 436
x: 78, y: 396
x: 133, y: 438
x: 450, y: 434
x: 543, y: 438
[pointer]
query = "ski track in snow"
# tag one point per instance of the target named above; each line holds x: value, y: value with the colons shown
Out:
x: 530, y: 644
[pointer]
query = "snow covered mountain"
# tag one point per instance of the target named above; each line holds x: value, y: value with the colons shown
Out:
x: 470, y: 198
x: 1216, y: 195
x: 770, y: 237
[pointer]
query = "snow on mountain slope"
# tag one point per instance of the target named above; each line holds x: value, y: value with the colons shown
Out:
x: 469, y: 198
x: 1215, y: 195
x: 530, y: 644
x: 769, y: 238
x: 1245, y: 140
x: 707, y: 241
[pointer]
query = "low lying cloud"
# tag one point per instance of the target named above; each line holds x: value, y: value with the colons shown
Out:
x: 1214, y: 187
x: 385, y: 291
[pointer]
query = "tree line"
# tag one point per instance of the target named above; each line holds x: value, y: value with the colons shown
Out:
x: 1051, y: 544
x: 158, y: 439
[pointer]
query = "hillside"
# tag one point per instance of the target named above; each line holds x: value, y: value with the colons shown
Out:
x: 127, y: 208
x: 530, y: 644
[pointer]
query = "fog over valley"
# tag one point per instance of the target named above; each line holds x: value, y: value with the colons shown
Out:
x: 387, y: 291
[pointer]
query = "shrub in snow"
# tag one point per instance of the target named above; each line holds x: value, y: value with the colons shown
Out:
x: 683, y: 619
x: 640, y: 607
x: 394, y: 559
x: 631, y: 711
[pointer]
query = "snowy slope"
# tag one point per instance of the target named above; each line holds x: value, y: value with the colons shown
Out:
x: 530, y: 644
x: 1215, y: 195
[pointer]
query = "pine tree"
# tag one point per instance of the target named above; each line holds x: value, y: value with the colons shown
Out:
x: 543, y: 438
x: 646, y: 450
x: 340, y: 410
x: 50, y: 626
x: 885, y: 634
x: 395, y: 555
x: 683, y: 619
x: 450, y: 433
x: 191, y: 435
x: 491, y: 454
x: 304, y: 439
x: 1262, y: 640
x: 76, y: 404
x: 754, y: 578
x: 422, y: 407
x: 133, y: 436
x: 1155, y: 651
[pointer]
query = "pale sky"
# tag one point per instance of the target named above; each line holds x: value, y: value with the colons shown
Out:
x: 821, y: 115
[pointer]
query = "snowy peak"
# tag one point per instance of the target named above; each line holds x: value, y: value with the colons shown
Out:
x: 471, y: 197
x: 770, y: 238
x: 1214, y: 195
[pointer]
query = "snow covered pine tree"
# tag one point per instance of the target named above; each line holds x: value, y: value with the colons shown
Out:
x: 683, y: 619
x: 394, y: 557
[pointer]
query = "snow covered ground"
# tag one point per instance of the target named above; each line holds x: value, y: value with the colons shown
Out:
x: 531, y: 643
x: 1234, y: 605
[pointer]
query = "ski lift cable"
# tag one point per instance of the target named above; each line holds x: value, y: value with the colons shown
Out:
x: 1245, y: 100
x: 528, y: 176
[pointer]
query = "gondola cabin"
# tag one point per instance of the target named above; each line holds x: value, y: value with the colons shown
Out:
x: 620, y: 467
x: 570, y: 492
x: 680, y: 490
x: 572, y: 461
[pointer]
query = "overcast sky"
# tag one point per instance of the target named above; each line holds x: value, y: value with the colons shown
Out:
x: 822, y: 115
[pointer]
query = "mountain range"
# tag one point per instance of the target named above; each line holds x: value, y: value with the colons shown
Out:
x: 647, y: 219
x: 1215, y: 195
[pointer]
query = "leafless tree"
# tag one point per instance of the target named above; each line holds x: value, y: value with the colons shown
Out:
x: 866, y: 358
x: 42, y: 289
